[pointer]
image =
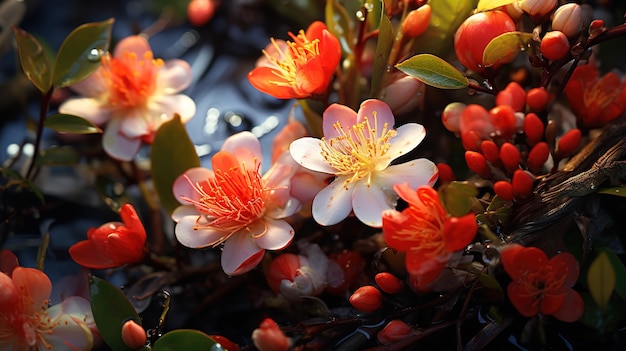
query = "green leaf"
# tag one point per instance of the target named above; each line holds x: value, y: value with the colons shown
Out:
x: 34, y: 61
x: 110, y: 310
x: 340, y: 25
x: 383, y: 48
x: 184, y: 339
x: 64, y: 123
x: 58, y: 156
x: 458, y: 197
x: 601, y: 279
x: 505, y: 47
x: 433, y: 71
x: 620, y: 272
x: 172, y: 154
x: 486, y: 5
x: 617, y: 191
x: 76, y: 59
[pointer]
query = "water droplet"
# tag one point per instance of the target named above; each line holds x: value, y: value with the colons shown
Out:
x: 237, y: 122
x: 216, y: 347
x: 592, y: 186
x: 94, y: 55
x: 360, y: 16
x: 491, y: 256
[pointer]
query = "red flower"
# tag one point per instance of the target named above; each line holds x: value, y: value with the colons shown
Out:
x: 298, y: 69
x: 542, y: 285
x: 426, y: 232
x: 595, y: 101
x: 113, y: 244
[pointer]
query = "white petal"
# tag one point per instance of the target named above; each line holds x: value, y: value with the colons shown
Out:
x: 117, y: 145
x: 88, y: 108
x: 238, y: 250
x: 69, y: 333
x: 416, y: 172
x: 333, y: 203
x: 307, y: 152
x: 337, y: 113
x: 135, y: 123
x: 245, y: 146
x: 188, y: 235
x: 409, y: 136
x: 278, y: 235
x: 174, y: 76
x: 184, y: 211
x: 185, y: 184
x: 168, y: 105
x: 369, y: 202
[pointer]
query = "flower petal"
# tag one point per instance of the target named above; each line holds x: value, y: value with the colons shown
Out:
x: 308, y: 153
x: 185, y: 185
x: 369, y: 202
x: 164, y: 107
x: 117, y: 145
x: 378, y: 113
x: 241, y: 253
x: 526, y: 304
x: 174, y: 76
x: 333, y: 203
x: 134, y: 123
x: 336, y: 113
x: 134, y: 43
x: 183, y: 211
x: 245, y: 146
x: 87, y: 108
x: 88, y: 253
x: 415, y: 173
x: 190, y: 236
x: 34, y: 285
x: 133, y: 222
x: 408, y: 137
x: 69, y: 334
x: 278, y: 235
x: 94, y: 86
x: 458, y: 232
x: 572, y: 309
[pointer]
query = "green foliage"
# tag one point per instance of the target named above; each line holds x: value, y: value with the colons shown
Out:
x: 34, y: 61
x: 172, y: 154
x: 79, y: 55
x: 486, y: 5
x: 381, y: 56
x: 433, y: 71
x: 110, y: 310
x: 340, y: 25
x: 64, y: 123
x: 184, y: 339
x: 506, y: 45
x: 458, y: 197
x: 58, y: 156
x: 601, y: 279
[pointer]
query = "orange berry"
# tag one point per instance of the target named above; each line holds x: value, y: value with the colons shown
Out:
x: 417, y: 21
x: 133, y: 335
x: 388, y: 283
x: 395, y: 330
x: 367, y: 299
x: 568, y: 143
x: 554, y: 45
x: 446, y: 174
x: 200, y: 12
x: 476, y: 118
x: 471, y: 140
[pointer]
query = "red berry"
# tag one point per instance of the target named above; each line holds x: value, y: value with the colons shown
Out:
x: 533, y: 128
x: 471, y: 141
x: 503, y: 121
x: 200, y: 12
x: 503, y: 189
x: 523, y: 183
x: 477, y: 164
x: 510, y: 156
x: 388, y: 283
x: 475, y: 118
x: 417, y: 21
x: 476, y: 32
x: 367, y: 299
x: 395, y: 330
x: 537, y: 156
x: 133, y: 334
x: 451, y: 116
x: 537, y: 98
x: 512, y: 95
x: 554, y: 45
x: 490, y: 150
x: 446, y: 174
x: 568, y: 143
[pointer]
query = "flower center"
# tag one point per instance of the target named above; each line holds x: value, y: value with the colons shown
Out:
x: 359, y: 151
x: 233, y: 199
x: 131, y: 80
x: 287, y: 60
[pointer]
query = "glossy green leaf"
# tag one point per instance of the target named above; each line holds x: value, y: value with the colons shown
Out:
x: 34, y: 61
x: 445, y: 18
x: 433, y: 71
x: 383, y: 48
x: 458, y: 197
x: 313, y: 119
x: 58, y: 156
x: 486, y: 5
x: 64, y: 123
x: 620, y: 272
x: 505, y: 47
x: 110, y: 310
x: 601, y: 279
x: 79, y: 55
x: 340, y: 25
x: 375, y: 13
x: 617, y: 191
x: 185, y: 339
x: 172, y: 154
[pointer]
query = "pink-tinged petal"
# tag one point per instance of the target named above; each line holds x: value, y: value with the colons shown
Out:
x: 240, y: 254
x: 8, y: 261
x: 337, y: 113
x: 307, y: 153
x: 285, y: 209
x: 369, y: 202
x: 9, y: 294
x: 333, y: 203
x: 572, y: 309
x: 407, y: 193
x: 88, y: 108
x: 33, y: 283
x: 185, y: 185
x: 190, y: 236
x: 293, y: 130
x: 415, y: 173
x: 174, y: 76
x: 69, y: 334
x: 408, y: 137
x: 134, y: 123
x: 378, y: 113
x: 167, y: 105
x: 278, y: 235
x: 183, y: 211
x: 281, y: 171
x: 245, y: 146
x: 94, y: 86
x: 117, y: 145
x: 135, y: 43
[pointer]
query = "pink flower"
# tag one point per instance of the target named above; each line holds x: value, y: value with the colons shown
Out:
x: 358, y: 149
x: 134, y: 93
x: 269, y: 337
x: 26, y: 322
x: 235, y: 205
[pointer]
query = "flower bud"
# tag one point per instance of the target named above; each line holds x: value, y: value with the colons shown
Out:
x: 417, y: 21
x: 523, y: 183
x: 475, y: 33
x: 352, y: 265
x: 446, y: 174
x: 568, y: 143
x: 394, y: 331
x: 471, y: 141
x: 404, y: 93
x: 200, y: 12
x: 388, y: 283
x: 537, y: 156
x: 490, y: 150
x: 366, y: 299
x: 533, y: 128
x: 503, y: 189
x: 510, y: 156
x: 476, y: 118
x: 537, y: 9
x: 568, y: 19
x: 554, y: 45
x: 269, y: 337
x: 537, y: 98
x: 512, y: 95
x: 133, y: 335
x: 451, y: 116
x: 503, y: 120
x: 477, y: 164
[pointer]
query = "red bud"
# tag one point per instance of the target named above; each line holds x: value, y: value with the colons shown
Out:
x: 510, y: 156
x: 366, y: 299
x: 477, y: 164
x: 533, y: 128
x: 537, y: 156
x: 503, y: 121
x: 523, y: 183
x: 133, y: 335
x: 512, y: 95
x: 554, y: 45
x: 490, y: 150
x: 446, y: 174
x: 388, y: 283
x: 394, y: 331
x: 568, y: 143
x: 503, y: 189
x: 537, y: 98
x: 417, y: 21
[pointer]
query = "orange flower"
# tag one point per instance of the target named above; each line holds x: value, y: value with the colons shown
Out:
x: 595, y: 101
x: 426, y: 233
x: 298, y: 69
x: 542, y: 285
x: 113, y: 244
